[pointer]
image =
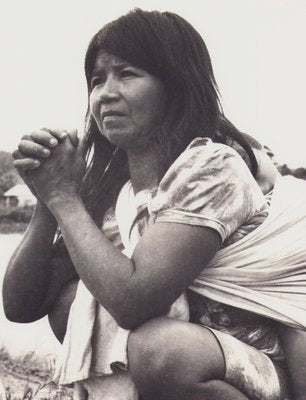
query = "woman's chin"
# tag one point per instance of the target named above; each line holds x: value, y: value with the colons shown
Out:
x: 126, y: 140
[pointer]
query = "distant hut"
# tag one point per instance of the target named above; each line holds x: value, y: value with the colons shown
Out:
x: 19, y: 195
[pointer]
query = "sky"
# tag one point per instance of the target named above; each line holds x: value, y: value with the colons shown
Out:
x: 257, y: 49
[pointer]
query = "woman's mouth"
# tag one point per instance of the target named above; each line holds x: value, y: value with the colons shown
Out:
x: 111, y: 115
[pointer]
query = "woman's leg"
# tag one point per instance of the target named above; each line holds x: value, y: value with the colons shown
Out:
x: 171, y: 359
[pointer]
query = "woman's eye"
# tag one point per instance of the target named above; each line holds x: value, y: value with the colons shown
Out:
x: 95, y: 82
x: 126, y: 73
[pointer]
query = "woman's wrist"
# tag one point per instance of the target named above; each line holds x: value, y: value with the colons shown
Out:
x: 41, y: 208
x: 43, y: 222
x: 63, y: 203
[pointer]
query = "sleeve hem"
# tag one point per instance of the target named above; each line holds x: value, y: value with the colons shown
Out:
x: 188, y: 218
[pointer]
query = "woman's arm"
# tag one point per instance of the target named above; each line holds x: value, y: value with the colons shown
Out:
x: 33, y: 279
x: 28, y: 273
x: 167, y: 259
x: 294, y: 344
x: 165, y: 262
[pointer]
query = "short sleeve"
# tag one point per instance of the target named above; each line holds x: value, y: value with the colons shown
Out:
x: 208, y: 185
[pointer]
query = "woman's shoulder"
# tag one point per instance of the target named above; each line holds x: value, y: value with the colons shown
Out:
x: 200, y: 142
x: 205, y: 148
x: 208, y: 162
x: 204, y: 152
x: 208, y: 184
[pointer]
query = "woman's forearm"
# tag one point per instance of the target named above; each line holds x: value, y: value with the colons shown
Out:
x: 28, y: 273
x: 104, y: 269
x: 137, y: 289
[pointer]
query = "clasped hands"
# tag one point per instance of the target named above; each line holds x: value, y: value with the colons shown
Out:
x: 51, y: 163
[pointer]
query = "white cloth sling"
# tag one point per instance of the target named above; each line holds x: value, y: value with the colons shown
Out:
x: 264, y: 273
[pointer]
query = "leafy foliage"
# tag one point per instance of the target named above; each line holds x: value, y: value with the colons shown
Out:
x: 18, y: 214
x: 8, y: 174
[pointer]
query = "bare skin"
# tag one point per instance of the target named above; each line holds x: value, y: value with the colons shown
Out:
x: 134, y: 290
x: 175, y: 360
x: 267, y: 172
x: 143, y: 277
x: 293, y: 341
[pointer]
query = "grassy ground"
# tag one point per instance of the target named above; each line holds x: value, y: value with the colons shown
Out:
x: 27, y: 351
x: 8, y: 226
x: 29, y: 377
x: 15, y: 219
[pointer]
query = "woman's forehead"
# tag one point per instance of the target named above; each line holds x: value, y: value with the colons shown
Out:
x: 105, y: 60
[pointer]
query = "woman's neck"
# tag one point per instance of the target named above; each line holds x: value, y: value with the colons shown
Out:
x: 144, y: 169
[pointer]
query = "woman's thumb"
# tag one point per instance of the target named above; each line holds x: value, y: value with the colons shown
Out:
x: 73, y: 136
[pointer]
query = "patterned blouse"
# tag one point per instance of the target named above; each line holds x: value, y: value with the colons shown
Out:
x: 210, y: 185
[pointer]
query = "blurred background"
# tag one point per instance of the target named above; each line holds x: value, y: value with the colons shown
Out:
x: 259, y: 56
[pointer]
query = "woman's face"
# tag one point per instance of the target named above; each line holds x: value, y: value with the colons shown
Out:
x: 127, y: 103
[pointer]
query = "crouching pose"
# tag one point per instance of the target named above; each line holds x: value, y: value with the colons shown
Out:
x: 153, y: 227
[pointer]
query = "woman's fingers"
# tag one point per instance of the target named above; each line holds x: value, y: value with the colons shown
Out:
x: 30, y: 148
x: 44, y: 137
x: 17, y: 155
x: 38, y: 145
x: 58, y: 133
x: 48, y: 137
x: 73, y: 136
x: 24, y: 164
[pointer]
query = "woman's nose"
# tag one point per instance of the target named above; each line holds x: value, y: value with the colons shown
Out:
x: 109, y: 91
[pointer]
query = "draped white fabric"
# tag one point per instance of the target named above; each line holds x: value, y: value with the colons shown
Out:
x: 265, y: 272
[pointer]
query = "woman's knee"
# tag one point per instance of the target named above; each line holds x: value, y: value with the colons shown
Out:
x: 168, y: 352
x: 150, y: 349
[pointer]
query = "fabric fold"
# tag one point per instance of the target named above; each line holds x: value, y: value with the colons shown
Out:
x: 264, y: 272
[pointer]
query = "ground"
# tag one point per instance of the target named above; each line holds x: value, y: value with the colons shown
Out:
x: 29, y: 378
x: 17, y: 385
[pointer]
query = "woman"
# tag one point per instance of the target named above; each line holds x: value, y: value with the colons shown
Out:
x: 154, y: 141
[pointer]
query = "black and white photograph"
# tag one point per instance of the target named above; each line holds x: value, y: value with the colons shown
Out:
x: 153, y: 200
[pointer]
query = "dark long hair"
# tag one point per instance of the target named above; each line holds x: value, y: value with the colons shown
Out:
x: 242, y: 142
x: 168, y: 47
